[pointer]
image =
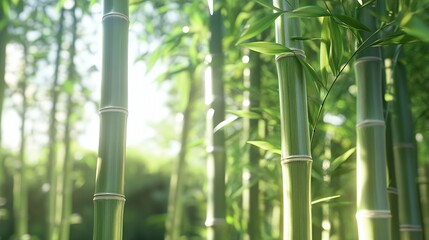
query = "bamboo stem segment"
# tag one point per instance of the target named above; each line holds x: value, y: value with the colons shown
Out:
x: 296, y: 151
x: 373, y: 213
x: 216, y: 202
x: 405, y: 155
x: 109, y: 196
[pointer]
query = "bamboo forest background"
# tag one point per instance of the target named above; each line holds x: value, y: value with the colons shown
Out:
x: 204, y: 91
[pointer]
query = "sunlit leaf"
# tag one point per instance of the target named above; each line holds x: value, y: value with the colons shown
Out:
x: 325, y: 199
x: 266, y: 146
x: 341, y: 159
x: 224, y: 123
x: 416, y: 27
x: 259, y: 26
x: 309, y: 11
x: 269, y: 48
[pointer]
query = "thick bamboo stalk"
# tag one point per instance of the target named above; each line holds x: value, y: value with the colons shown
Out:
x: 405, y: 159
x: 296, y: 151
x: 175, y: 205
x: 216, y: 201
x: 64, y: 231
x: 52, y: 228
x: 251, y: 209
x: 109, y: 196
x: 373, y: 212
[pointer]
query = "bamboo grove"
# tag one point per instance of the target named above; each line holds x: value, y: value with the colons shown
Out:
x: 283, y: 119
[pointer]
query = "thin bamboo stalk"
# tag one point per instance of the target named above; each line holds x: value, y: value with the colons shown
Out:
x: 3, y: 42
x: 373, y: 212
x: 216, y: 201
x: 175, y: 205
x: 392, y: 188
x: 52, y: 229
x: 296, y: 151
x: 405, y: 159
x: 109, y: 196
x: 20, y: 199
x: 64, y: 231
x: 251, y: 209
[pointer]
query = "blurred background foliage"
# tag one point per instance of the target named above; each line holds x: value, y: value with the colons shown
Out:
x: 170, y: 38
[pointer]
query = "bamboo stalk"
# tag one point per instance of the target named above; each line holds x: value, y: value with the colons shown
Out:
x: 296, y: 151
x: 392, y: 188
x: 373, y: 212
x: 405, y: 158
x: 52, y: 152
x: 20, y: 199
x: 216, y: 201
x: 64, y: 231
x: 109, y: 196
x: 251, y: 210
x: 3, y: 42
x: 175, y: 205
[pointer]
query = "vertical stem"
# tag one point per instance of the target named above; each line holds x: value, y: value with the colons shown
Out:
x: 64, y: 233
x: 392, y: 188
x: 250, y: 128
x: 52, y: 152
x: 109, y: 196
x: 3, y: 43
x: 20, y: 182
x: 296, y: 151
x: 373, y: 212
x: 175, y: 206
x: 405, y: 159
x: 216, y: 205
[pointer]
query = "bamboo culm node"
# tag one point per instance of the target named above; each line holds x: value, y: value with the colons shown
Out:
x: 113, y: 109
x: 370, y: 122
x: 367, y: 59
x: 373, y: 214
x: 116, y: 14
x: 295, y: 53
x: 109, y: 196
x: 296, y: 158
x: 410, y: 228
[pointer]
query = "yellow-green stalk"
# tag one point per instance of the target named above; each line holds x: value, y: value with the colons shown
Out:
x: 373, y: 212
x: 109, y: 198
x: 296, y: 158
x: 215, y: 144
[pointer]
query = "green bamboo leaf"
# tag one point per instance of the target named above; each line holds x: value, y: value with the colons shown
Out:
x: 325, y: 199
x: 399, y: 37
x: 416, y: 27
x: 225, y: 123
x: 325, y: 45
x: 309, y: 11
x: 269, y: 5
x: 268, y: 48
x: 266, y: 146
x: 350, y: 22
x: 259, y: 26
x: 337, y: 47
x: 341, y: 159
x: 245, y: 114
x: 310, y: 72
